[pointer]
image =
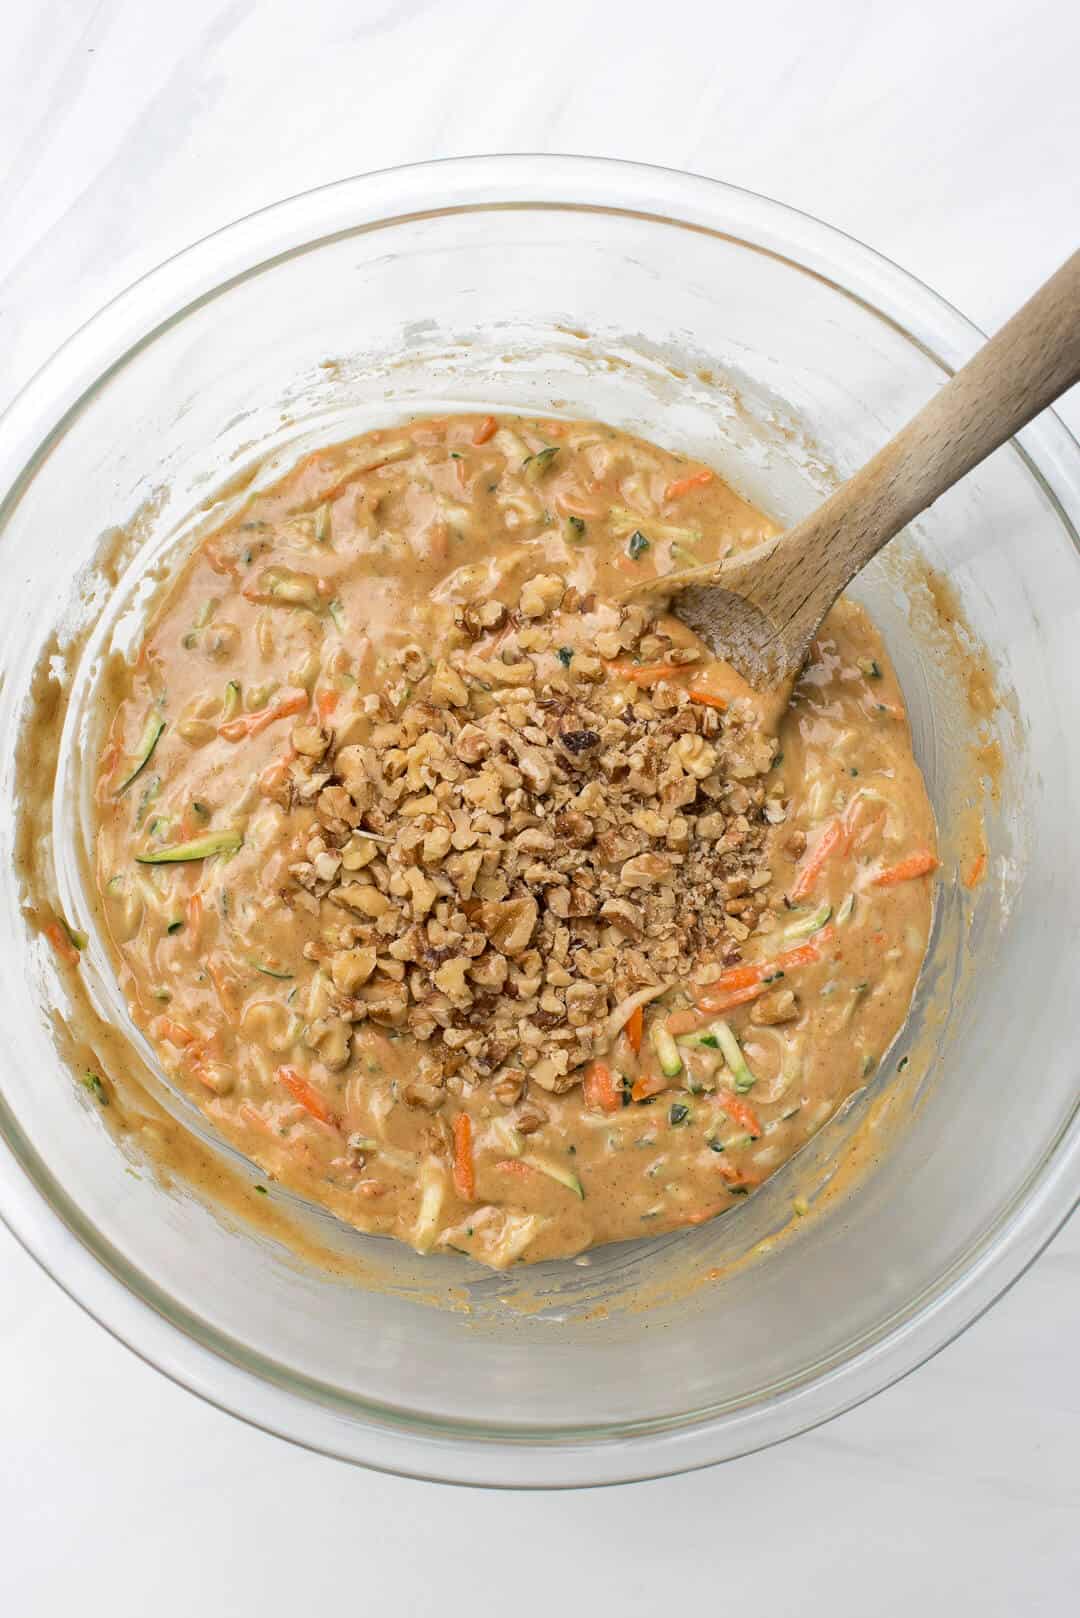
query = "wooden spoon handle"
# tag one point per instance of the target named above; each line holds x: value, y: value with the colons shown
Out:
x: 1027, y: 365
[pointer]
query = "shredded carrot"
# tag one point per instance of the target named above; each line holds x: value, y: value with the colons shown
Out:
x: 920, y: 864
x: 739, y: 1111
x: 174, y: 1032
x: 464, y: 1163
x: 496, y: 641
x: 738, y: 997
x: 717, y: 996
x: 439, y: 542
x: 694, y: 480
x: 326, y: 702
x: 251, y: 724
x: 861, y: 835
x: 635, y: 1029
x: 514, y: 1165
x: 312, y: 462
x: 273, y: 777
x: 731, y: 1174
x: 195, y: 911
x: 487, y: 429
x: 305, y: 1093
x: 196, y: 1061
x: 599, y: 1089
x: 219, y: 564
x: 571, y: 506
x: 61, y: 943
x: 649, y: 1084
x: 111, y: 757
x: 975, y: 871
x: 834, y: 837
x: 706, y: 698
x: 689, y: 1021
x: 222, y: 983
x: 646, y: 673
x: 252, y: 1115
x: 686, y: 1022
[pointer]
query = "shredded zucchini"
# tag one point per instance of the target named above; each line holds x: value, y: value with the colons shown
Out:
x: 811, y: 923
x: 733, y: 1056
x: 145, y: 751
x: 199, y: 848
x: 555, y: 1171
x: 667, y: 1051
x: 432, y: 1195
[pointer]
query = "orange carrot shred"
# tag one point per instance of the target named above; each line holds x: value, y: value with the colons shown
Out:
x: 487, y: 429
x: 306, y: 1094
x: 251, y: 724
x: 649, y: 1084
x: 174, y: 1032
x: 464, y: 1163
x: 635, y: 1028
x: 706, y: 698
x: 731, y: 1174
x: 61, y: 943
x: 219, y: 564
x: 919, y: 864
x: 689, y: 1021
x: 222, y: 983
x: 693, y: 480
x: 599, y: 1089
x: 326, y: 702
x: 739, y: 1111
x: 646, y: 673
x: 832, y: 838
x: 514, y: 1165
x: 273, y: 777
x: 975, y: 871
x: 439, y: 542
x: 718, y: 996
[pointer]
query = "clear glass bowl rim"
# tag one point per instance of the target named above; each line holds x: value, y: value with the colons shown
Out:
x: 66, y: 384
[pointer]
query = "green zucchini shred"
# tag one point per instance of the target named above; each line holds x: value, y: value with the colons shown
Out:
x: 145, y: 751
x: 197, y: 848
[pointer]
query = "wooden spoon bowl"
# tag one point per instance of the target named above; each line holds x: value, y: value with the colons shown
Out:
x: 760, y: 611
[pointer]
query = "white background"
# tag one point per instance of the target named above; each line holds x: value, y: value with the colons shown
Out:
x: 946, y: 135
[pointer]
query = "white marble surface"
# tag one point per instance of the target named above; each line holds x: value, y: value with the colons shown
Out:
x: 945, y: 134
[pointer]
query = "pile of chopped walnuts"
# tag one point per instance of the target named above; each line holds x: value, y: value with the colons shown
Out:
x: 525, y: 837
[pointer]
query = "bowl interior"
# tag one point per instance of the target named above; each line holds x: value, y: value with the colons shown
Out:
x: 703, y: 336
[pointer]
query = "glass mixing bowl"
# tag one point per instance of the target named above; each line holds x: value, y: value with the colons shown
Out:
x: 784, y: 353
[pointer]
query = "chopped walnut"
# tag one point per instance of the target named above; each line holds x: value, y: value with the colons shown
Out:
x: 447, y: 687
x: 541, y: 595
x: 510, y: 1087
x: 509, y: 924
x: 508, y: 852
x: 349, y: 968
x: 310, y: 740
x: 529, y: 1120
x: 780, y: 1006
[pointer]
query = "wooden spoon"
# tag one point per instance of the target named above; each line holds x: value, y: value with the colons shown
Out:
x: 760, y: 611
